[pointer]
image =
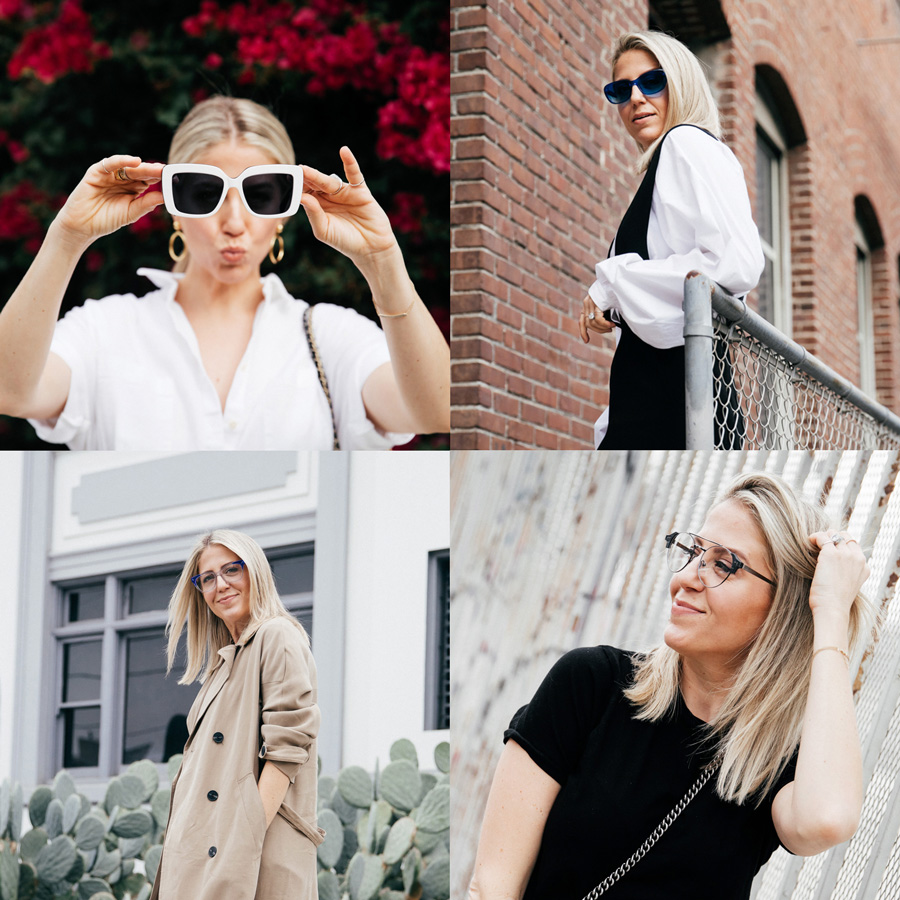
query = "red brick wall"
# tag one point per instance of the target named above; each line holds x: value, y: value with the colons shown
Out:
x: 542, y: 173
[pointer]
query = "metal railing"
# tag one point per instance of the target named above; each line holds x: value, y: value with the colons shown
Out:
x: 748, y: 386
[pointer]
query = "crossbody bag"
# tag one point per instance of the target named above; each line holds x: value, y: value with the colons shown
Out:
x: 314, y: 350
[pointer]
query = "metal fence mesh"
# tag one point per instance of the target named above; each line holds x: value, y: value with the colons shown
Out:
x: 562, y: 549
x: 771, y: 404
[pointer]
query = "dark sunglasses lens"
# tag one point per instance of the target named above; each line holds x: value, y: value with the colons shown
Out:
x: 196, y: 193
x: 651, y: 83
x: 617, y: 92
x: 269, y: 195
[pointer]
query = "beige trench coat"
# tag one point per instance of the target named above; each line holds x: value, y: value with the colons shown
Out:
x: 259, y: 703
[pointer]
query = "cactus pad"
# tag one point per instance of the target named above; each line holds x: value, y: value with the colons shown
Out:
x: 404, y: 749
x: 329, y: 851
x: 401, y: 785
x: 9, y: 873
x: 71, y: 812
x: 32, y: 844
x: 159, y: 804
x: 53, y: 819
x: 329, y: 886
x: 63, y: 786
x: 4, y: 806
x: 133, y: 823
x: 442, y: 757
x: 364, y: 876
x: 151, y: 861
x: 356, y: 786
x: 89, y: 833
x: 399, y: 840
x: 149, y: 777
x: 56, y: 858
x: 436, y: 880
x: 16, y: 804
x: 434, y: 813
x: 410, y: 869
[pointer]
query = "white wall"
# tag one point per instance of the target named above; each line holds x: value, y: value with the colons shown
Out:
x: 11, y: 464
x: 399, y: 511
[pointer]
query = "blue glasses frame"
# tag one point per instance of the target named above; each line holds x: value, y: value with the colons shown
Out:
x: 196, y: 578
x: 649, y: 84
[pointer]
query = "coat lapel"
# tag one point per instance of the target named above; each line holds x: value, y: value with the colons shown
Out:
x: 211, y: 689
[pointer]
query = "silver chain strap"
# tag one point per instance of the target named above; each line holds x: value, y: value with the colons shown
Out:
x: 658, y: 832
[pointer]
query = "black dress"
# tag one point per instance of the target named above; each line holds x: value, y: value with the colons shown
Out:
x: 646, y: 383
x: 619, y: 779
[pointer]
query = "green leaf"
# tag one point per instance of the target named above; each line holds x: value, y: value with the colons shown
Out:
x: 401, y: 785
x: 71, y: 812
x: 364, y: 876
x: 37, y: 805
x: 9, y: 873
x: 404, y: 749
x: 329, y: 851
x: 442, y: 757
x: 54, y: 819
x: 151, y: 861
x: 56, y: 858
x: 89, y: 833
x: 356, y: 787
x: 32, y: 844
x: 132, y: 791
x: 106, y: 863
x: 329, y: 887
x: 146, y: 772
x: 399, y: 840
x: 63, y: 786
x: 434, y: 812
x: 132, y: 824
x: 410, y: 869
x: 436, y: 880
x: 159, y: 804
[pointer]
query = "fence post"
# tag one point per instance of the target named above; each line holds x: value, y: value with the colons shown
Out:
x: 698, y: 361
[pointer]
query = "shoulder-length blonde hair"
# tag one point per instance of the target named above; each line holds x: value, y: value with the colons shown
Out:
x: 690, y: 98
x: 757, y: 729
x: 206, y: 632
x: 221, y: 120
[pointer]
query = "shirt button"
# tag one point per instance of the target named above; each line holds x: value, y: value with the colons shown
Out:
x: 212, y: 795
x: 232, y: 424
x: 212, y: 851
x: 217, y: 737
x: 263, y: 751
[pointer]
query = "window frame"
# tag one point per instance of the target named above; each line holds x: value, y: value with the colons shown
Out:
x: 436, y: 659
x: 865, y: 316
x: 113, y: 631
x: 779, y: 252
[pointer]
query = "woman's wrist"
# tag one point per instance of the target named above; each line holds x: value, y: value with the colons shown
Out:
x: 66, y: 241
x: 831, y: 625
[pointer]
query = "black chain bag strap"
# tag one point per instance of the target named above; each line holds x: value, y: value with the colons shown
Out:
x: 314, y: 350
x: 658, y: 832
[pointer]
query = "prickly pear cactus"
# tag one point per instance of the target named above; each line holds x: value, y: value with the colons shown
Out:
x: 74, y: 849
x: 388, y: 837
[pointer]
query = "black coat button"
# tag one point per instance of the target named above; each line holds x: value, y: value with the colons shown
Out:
x: 212, y: 851
x: 212, y: 795
x: 217, y: 737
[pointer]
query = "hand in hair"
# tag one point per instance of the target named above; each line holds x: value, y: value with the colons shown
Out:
x: 103, y: 203
x: 841, y: 570
x: 349, y: 218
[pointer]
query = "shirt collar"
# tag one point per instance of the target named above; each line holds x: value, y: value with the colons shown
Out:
x: 167, y: 282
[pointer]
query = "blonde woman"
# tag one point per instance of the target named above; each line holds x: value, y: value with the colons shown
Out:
x: 691, y: 211
x: 242, y: 818
x: 738, y: 729
x: 216, y: 357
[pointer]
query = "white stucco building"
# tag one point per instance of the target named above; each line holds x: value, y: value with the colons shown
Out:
x: 93, y: 544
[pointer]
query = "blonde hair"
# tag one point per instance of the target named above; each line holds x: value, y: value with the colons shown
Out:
x: 757, y: 729
x: 221, y: 120
x: 690, y: 98
x: 206, y: 632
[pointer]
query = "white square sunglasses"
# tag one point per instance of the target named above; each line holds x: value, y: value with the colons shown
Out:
x: 195, y: 191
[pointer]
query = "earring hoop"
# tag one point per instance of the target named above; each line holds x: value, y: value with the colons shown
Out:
x: 177, y: 233
x: 280, y: 256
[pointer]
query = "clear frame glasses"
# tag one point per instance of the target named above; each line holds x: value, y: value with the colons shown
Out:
x: 716, y: 563
x: 649, y: 84
x: 195, y: 191
x: 206, y: 582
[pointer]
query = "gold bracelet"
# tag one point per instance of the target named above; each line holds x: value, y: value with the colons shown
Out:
x: 382, y: 315
x: 842, y: 652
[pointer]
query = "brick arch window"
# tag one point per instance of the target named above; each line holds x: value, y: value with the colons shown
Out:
x: 778, y: 132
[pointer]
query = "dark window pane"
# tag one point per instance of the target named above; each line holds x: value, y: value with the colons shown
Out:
x: 81, y: 737
x: 444, y: 675
x: 766, y: 156
x: 293, y: 574
x: 156, y: 707
x: 81, y: 671
x: 148, y: 594
x: 83, y: 603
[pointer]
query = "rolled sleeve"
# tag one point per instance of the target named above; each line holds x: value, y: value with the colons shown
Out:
x: 290, y: 713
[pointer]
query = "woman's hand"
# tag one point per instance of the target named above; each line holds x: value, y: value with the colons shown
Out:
x: 103, y: 203
x: 841, y: 570
x: 591, y: 319
x: 347, y: 218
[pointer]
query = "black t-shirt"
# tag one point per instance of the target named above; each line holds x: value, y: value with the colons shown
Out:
x: 620, y: 778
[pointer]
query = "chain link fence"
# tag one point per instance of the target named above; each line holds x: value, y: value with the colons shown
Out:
x: 767, y: 392
x: 562, y: 549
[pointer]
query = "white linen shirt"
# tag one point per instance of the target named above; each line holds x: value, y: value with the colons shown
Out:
x: 138, y: 381
x: 700, y: 219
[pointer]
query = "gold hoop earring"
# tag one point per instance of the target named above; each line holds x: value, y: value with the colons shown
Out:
x: 277, y: 259
x: 178, y: 233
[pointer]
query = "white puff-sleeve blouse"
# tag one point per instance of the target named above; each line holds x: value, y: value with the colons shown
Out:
x: 699, y: 219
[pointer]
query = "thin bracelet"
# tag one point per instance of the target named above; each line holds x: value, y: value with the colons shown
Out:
x: 382, y: 315
x: 842, y: 652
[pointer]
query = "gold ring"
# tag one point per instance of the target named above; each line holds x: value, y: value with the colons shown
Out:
x: 121, y: 176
